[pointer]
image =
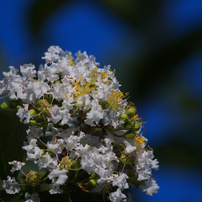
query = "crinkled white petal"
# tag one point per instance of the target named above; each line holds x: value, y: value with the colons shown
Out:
x: 16, y: 165
x: 61, y: 176
x: 11, y: 186
x: 117, y: 196
x: 32, y: 197
x: 23, y: 114
x: 150, y: 187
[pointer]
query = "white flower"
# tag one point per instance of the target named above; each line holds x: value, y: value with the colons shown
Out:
x: 11, y: 186
x: 59, y: 177
x: 28, y: 71
x: 33, y: 152
x: 84, y: 102
x: 150, y: 187
x: 16, y: 90
x: 17, y: 165
x: 32, y: 198
x: 34, y: 132
x: 46, y: 161
x: 53, y: 54
x: 120, y: 181
x: 144, y: 164
x: 117, y: 196
x: 55, y: 189
x: 23, y: 114
x: 95, y: 115
x: 33, y: 91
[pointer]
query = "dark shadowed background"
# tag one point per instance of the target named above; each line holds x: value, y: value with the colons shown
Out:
x: 156, y: 49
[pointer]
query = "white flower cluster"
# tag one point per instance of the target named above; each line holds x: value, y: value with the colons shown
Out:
x: 91, y: 135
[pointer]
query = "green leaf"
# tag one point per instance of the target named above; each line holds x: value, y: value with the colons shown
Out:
x: 12, y: 135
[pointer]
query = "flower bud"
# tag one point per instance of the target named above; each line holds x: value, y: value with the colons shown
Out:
x: 48, y: 97
x: 76, y: 165
x: 91, y: 184
x: 94, y: 176
x: 18, y: 107
x: 67, y: 167
x: 42, y: 152
x: 131, y: 111
x: 4, y: 105
x: 62, y: 166
x: 129, y: 125
x: 129, y: 135
x: 137, y: 126
x: 39, y: 116
x: 122, y: 159
x: 123, y: 117
x: 32, y: 112
x: 32, y: 122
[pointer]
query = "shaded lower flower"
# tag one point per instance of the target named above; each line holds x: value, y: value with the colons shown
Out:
x: 11, y: 186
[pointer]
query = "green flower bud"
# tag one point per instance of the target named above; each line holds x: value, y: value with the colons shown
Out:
x: 130, y: 124
x: 137, y: 126
x: 32, y: 122
x: 42, y: 152
x: 129, y: 135
x: 44, y: 111
x: 131, y: 111
x: 122, y: 159
x: 62, y: 108
x: 39, y: 116
x: 48, y: 97
x: 4, y: 105
x: 76, y: 165
x: 94, y: 176
x: 67, y: 166
x: 62, y: 166
x: 91, y: 184
x: 123, y: 117
x: 32, y: 112
x: 18, y: 107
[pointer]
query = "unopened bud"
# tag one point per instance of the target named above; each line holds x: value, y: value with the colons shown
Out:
x: 94, y: 176
x: 129, y: 125
x: 62, y: 166
x: 42, y: 152
x: 131, y: 111
x: 137, y: 126
x: 91, y: 184
x: 18, y: 107
x: 129, y: 135
x: 32, y: 122
x: 4, y: 105
x: 122, y: 159
x: 123, y: 117
x: 32, y: 112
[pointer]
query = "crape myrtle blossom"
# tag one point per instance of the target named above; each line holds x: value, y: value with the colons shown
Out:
x: 81, y: 128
